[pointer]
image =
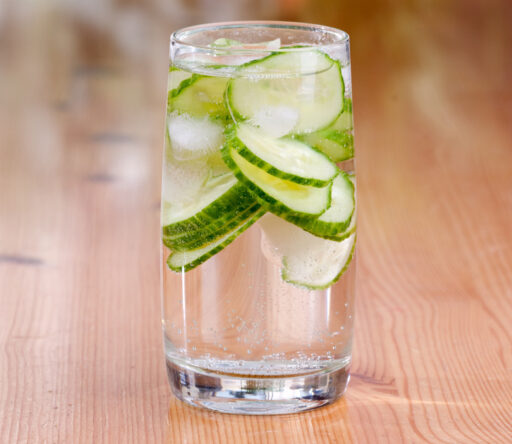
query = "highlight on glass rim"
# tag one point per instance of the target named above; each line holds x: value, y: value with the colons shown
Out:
x: 258, y: 219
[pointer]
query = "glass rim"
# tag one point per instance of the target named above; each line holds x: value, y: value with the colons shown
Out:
x: 178, y: 36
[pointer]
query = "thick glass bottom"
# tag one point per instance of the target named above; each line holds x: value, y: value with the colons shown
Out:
x: 256, y: 395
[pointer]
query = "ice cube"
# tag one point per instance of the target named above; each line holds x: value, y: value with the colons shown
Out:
x: 276, y: 121
x: 193, y: 138
x: 182, y: 181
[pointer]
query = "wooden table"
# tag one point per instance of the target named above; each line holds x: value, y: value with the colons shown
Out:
x: 81, y: 124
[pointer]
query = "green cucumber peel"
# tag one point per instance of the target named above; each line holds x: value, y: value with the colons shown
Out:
x: 234, y: 197
x: 183, y: 261
x: 200, y: 238
x: 247, y: 153
x: 214, y: 108
x: 335, y: 144
x: 267, y: 201
x: 325, y: 225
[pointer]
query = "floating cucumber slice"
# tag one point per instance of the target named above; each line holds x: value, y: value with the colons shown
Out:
x: 281, y: 197
x: 345, y: 121
x: 199, y: 96
x: 336, y: 141
x: 342, y: 235
x: 320, y: 266
x: 286, y: 158
x: 175, y: 77
x: 307, y: 81
x: 337, y: 145
x: 219, y: 195
x: 338, y: 216
x: 306, y: 260
x: 237, y: 200
x: 187, y: 260
x: 200, y: 238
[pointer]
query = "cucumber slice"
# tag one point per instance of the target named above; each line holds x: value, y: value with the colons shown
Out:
x: 336, y: 141
x: 181, y: 261
x: 308, y: 82
x: 318, y: 267
x: 337, y: 145
x: 219, y: 195
x: 338, y: 216
x: 345, y: 121
x: 343, y: 234
x: 306, y: 260
x: 287, y: 159
x: 200, y: 238
x: 236, y: 201
x: 175, y: 77
x: 281, y: 197
x: 199, y: 96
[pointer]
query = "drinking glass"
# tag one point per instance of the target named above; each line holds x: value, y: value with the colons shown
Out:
x: 258, y: 217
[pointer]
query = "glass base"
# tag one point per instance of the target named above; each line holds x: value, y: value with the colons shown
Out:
x: 256, y: 395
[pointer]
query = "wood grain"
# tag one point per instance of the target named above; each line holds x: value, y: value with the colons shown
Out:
x: 81, y: 122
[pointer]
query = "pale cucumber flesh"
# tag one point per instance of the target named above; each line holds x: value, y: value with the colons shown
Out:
x: 199, y: 96
x: 306, y: 260
x: 316, y: 97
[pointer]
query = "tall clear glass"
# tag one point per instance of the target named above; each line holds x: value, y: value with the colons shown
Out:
x: 258, y: 216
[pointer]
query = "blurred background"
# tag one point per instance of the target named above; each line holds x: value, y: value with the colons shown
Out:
x: 94, y: 72
x: 96, y: 69
x: 79, y: 76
